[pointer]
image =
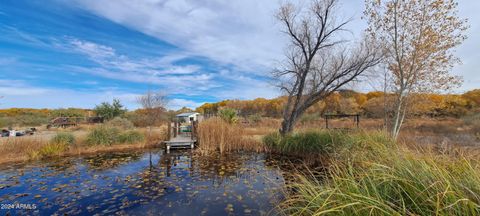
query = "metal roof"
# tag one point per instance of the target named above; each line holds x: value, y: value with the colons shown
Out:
x: 187, y: 114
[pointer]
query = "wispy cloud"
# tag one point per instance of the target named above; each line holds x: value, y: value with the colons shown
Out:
x: 241, y: 33
x: 159, y: 71
x: 19, y: 93
x: 19, y: 88
x: 108, y: 58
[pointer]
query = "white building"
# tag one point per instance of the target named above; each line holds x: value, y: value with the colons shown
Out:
x: 188, y: 117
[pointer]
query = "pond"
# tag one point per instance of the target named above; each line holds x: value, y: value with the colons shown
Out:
x: 147, y: 182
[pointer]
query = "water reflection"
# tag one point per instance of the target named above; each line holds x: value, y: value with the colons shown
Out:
x: 143, y: 183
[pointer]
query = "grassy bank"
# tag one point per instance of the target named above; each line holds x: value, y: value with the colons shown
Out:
x: 73, y: 142
x: 371, y: 175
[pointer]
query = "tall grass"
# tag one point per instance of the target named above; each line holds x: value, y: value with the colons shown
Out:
x: 103, y: 135
x: 131, y: 137
x: 323, y: 141
x: 314, y: 142
x: 19, y: 148
x: 59, y: 144
x: 376, y: 177
x: 62, y: 137
x: 216, y: 134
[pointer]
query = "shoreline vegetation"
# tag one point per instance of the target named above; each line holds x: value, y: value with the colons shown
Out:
x: 78, y: 141
x: 364, y: 172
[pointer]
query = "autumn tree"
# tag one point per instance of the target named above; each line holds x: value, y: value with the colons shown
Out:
x: 317, y: 61
x: 154, y: 105
x: 418, y: 38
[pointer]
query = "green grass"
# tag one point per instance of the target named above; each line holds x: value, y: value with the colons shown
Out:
x: 131, y: 137
x: 65, y: 138
x: 371, y: 175
x: 103, y: 135
x: 310, y: 142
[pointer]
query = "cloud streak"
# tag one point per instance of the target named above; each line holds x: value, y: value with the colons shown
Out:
x: 240, y: 33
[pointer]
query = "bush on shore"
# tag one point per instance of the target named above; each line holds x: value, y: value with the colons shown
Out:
x: 103, y: 135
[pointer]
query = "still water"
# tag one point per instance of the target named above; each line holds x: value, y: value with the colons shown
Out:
x: 147, y: 182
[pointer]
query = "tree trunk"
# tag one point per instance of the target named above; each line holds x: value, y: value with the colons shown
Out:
x: 399, y: 115
x: 289, y: 120
x: 287, y: 127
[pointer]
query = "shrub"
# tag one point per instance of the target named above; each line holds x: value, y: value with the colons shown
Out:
x: 51, y: 149
x: 131, y: 137
x: 63, y: 138
x: 120, y: 123
x: 103, y: 135
x: 229, y: 115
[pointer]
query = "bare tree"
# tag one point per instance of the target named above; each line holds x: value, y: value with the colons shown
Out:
x: 317, y: 61
x: 154, y: 104
x: 418, y: 39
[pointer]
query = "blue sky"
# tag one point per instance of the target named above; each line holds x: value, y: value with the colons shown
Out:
x: 79, y: 53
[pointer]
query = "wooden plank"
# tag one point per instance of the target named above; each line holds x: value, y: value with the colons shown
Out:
x: 180, y: 141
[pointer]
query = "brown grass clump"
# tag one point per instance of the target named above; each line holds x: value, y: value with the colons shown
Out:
x: 20, y: 148
x: 217, y: 135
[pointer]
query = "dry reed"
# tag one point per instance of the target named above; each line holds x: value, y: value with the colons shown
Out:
x: 20, y: 148
x: 217, y: 135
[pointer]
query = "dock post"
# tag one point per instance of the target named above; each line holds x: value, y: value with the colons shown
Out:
x: 175, y: 129
x: 191, y: 131
x: 169, y: 132
x: 168, y: 148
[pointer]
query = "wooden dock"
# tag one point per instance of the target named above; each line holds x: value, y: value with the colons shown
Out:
x: 180, y: 142
x: 181, y: 139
